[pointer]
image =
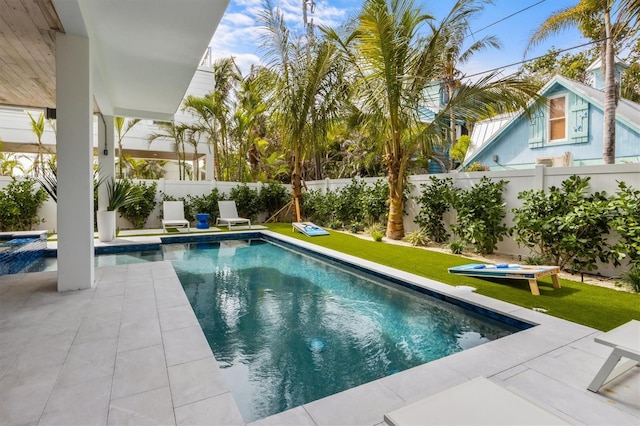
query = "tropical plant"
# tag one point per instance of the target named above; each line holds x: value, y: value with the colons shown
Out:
x: 122, y: 130
x: 138, y: 212
x: 393, y: 65
x: 19, y: 205
x: 179, y: 133
x: 480, y: 214
x: 9, y: 162
x: 38, y: 127
x: 377, y: 236
x: 417, y: 238
x: 453, y: 32
x: 565, y: 225
x: 120, y: 193
x: 456, y: 246
x: 459, y: 149
x: 435, y: 200
x: 307, y: 92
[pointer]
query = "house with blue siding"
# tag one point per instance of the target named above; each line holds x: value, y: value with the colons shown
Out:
x: 564, y: 130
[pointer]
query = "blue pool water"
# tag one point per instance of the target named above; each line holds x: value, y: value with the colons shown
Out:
x: 288, y: 328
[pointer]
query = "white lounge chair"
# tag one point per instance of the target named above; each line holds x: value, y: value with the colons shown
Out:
x: 173, y: 215
x: 229, y: 214
x: 625, y: 341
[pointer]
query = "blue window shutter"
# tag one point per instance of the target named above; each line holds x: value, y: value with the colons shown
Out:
x: 578, y: 119
x: 536, y: 128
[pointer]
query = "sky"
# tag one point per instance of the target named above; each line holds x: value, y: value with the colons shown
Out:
x: 238, y: 34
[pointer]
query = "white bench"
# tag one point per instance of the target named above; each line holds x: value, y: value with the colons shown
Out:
x: 625, y: 341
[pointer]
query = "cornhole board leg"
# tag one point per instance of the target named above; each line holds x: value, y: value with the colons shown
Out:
x: 556, y: 282
x: 533, y: 285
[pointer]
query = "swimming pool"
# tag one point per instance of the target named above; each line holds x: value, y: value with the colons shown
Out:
x: 288, y: 328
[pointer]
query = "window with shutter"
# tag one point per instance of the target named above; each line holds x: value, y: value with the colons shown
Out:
x: 558, y: 118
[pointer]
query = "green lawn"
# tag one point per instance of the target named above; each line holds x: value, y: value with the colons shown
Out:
x: 593, y: 306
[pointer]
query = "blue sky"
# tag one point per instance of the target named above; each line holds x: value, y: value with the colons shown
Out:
x: 239, y: 31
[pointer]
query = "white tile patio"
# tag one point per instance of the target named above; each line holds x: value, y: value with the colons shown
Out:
x: 130, y: 351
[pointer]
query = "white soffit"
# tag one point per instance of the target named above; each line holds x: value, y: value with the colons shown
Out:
x: 145, y: 52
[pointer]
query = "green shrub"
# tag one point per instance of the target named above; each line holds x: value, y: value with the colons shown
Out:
x: 247, y: 201
x: 632, y: 278
x: 350, y: 202
x: 417, y: 238
x: 19, y: 205
x: 456, y: 246
x: 335, y: 224
x: 436, y: 199
x: 320, y: 208
x: 273, y: 197
x: 625, y: 221
x: 375, y: 202
x: 375, y: 227
x: 356, y: 227
x: 566, y: 225
x: 377, y: 236
x: 138, y: 212
x: 203, y: 204
x: 481, y: 211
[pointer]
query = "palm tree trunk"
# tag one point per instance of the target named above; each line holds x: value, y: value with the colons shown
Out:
x: 610, y: 97
x: 296, y: 189
x: 395, y: 222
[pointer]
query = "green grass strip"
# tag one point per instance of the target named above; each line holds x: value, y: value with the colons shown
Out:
x: 586, y: 304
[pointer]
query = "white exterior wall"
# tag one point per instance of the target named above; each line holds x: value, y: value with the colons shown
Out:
x: 15, y: 125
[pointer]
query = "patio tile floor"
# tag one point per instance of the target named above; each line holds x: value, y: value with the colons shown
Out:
x: 130, y: 351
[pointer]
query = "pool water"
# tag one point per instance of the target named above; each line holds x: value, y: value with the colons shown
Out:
x: 287, y: 328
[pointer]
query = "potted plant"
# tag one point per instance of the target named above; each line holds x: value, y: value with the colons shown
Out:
x: 119, y: 194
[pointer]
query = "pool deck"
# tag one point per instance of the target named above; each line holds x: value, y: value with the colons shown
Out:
x: 130, y: 351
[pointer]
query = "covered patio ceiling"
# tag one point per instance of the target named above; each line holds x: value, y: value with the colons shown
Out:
x: 144, y: 52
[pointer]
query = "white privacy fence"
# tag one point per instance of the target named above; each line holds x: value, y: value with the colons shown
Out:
x: 603, y: 178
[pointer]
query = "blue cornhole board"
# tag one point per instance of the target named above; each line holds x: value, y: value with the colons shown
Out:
x: 309, y: 229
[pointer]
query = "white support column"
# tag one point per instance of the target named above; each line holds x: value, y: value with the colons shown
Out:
x: 106, y: 162
x: 74, y: 105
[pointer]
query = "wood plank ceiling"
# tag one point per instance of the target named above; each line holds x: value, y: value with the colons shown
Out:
x: 27, y: 53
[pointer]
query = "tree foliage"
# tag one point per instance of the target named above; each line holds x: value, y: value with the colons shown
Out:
x: 565, y: 226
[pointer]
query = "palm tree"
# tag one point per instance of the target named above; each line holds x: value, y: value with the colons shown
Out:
x: 303, y: 101
x: 453, y: 30
x: 122, y: 130
x: 179, y: 134
x: 394, y: 65
x: 587, y: 15
x: 8, y: 162
x: 37, y: 127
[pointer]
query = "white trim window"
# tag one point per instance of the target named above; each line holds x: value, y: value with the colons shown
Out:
x: 558, y: 118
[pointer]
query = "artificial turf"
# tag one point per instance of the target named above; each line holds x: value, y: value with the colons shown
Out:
x: 590, y: 305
